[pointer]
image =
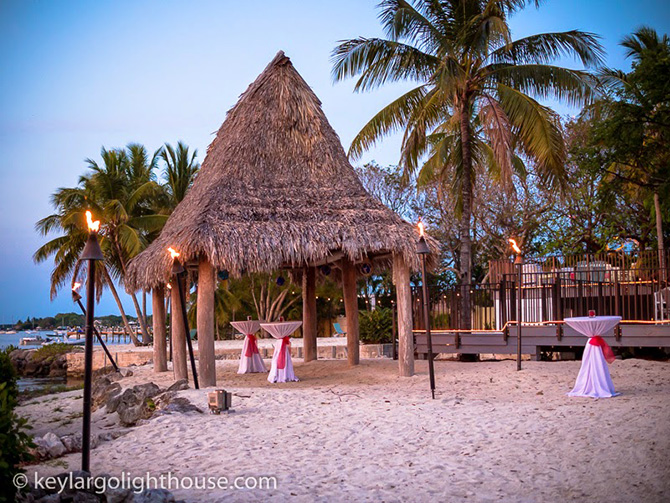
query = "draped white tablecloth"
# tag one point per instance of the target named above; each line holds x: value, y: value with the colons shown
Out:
x: 250, y: 359
x: 281, y: 331
x: 594, y: 376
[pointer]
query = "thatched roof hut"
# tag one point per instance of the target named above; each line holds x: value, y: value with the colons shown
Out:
x: 276, y: 190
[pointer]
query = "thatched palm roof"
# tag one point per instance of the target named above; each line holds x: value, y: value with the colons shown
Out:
x: 275, y: 190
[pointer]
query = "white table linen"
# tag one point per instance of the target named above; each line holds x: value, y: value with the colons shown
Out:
x: 282, y: 354
x: 594, y: 378
x: 250, y: 359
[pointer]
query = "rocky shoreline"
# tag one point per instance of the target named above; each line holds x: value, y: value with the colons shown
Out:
x: 33, y: 363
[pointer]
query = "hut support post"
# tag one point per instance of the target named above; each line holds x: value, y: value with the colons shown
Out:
x: 351, y: 310
x: 404, y: 300
x: 205, y: 324
x: 309, y: 321
x: 158, y: 310
x: 178, y: 343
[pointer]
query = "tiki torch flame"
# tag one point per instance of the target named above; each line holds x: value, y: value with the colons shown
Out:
x: 421, y: 228
x: 173, y: 253
x: 92, y: 226
x: 515, y: 246
x: 76, y: 286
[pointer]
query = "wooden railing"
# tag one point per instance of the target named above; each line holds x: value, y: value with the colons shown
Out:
x: 636, y: 294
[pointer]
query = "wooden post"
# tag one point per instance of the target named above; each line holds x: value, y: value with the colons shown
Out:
x: 351, y: 310
x: 309, y: 321
x: 205, y: 324
x: 158, y: 311
x: 404, y: 302
x: 178, y: 336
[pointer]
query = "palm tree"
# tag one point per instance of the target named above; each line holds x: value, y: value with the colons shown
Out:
x: 66, y: 249
x: 642, y: 105
x: 180, y: 171
x: 119, y: 192
x: 475, y: 104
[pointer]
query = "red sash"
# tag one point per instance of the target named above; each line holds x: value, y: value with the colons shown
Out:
x: 607, y: 351
x: 285, y: 345
x: 252, y: 348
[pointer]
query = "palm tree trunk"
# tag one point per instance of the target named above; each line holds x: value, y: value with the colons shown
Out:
x: 659, y: 236
x: 140, y: 317
x: 112, y: 288
x: 464, y: 227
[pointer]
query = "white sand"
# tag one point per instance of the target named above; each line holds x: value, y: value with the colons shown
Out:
x: 365, y: 434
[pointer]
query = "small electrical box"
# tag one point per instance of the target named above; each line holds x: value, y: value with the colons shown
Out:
x: 220, y: 400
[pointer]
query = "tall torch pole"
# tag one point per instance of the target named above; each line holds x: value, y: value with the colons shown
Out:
x: 179, y: 272
x: 423, y: 250
x: 92, y: 253
x: 518, y: 261
x: 77, y: 298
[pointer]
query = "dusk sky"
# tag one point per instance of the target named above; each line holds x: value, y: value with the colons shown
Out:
x: 77, y: 75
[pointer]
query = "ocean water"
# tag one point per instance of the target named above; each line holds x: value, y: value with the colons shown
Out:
x: 32, y: 383
x: 15, y: 339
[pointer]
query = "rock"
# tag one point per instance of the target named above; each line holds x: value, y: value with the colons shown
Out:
x: 119, y: 496
x: 181, y: 405
x: 49, y: 498
x: 147, y: 390
x: 179, y: 385
x: 102, y: 395
x: 53, y: 445
x: 72, y: 442
x: 154, y: 496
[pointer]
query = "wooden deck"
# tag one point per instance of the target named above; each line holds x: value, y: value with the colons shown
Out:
x: 536, y: 338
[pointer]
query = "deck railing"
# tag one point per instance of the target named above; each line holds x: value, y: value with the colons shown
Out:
x: 551, y: 294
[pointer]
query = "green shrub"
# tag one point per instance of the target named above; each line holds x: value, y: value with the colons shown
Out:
x: 14, y: 441
x: 376, y: 327
x: 51, y: 350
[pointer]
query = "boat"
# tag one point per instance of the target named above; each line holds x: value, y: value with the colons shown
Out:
x: 62, y: 331
x: 35, y: 341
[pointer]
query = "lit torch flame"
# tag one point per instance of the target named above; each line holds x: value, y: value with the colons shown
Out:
x: 92, y: 226
x: 76, y: 286
x: 515, y: 246
x: 169, y: 285
x: 173, y: 253
x: 421, y: 228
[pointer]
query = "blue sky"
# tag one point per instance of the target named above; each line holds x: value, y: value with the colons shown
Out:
x: 77, y: 75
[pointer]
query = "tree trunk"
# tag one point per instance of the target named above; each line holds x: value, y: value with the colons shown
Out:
x: 179, y: 335
x: 146, y: 338
x: 659, y: 235
x: 404, y: 299
x: 309, y: 323
x: 464, y: 227
x: 351, y: 310
x: 160, y: 339
x: 144, y: 307
x: 205, y: 324
x: 112, y: 289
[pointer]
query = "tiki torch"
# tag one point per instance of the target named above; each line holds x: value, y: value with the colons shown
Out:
x: 76, y: 297
x: 423, y: 250
x: 179, y: 271
x: 518, y: 261
x: 92, y: 253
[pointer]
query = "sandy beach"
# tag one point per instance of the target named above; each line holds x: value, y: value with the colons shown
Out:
x: 365, y: 434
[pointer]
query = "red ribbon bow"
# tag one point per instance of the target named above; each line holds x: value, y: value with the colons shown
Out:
x: 285, y: 345
x: 607, y: 351
x: 252, y: 348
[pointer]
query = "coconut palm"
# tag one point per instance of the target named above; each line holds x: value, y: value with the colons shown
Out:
x: 475, y: 105
x: 181, y: 169
x: 119, y: 193
x: 66, y: 249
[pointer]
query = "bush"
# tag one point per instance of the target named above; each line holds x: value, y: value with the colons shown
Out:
x: 14, y: 441
x: 55, y: 349
x: 376, y: 327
